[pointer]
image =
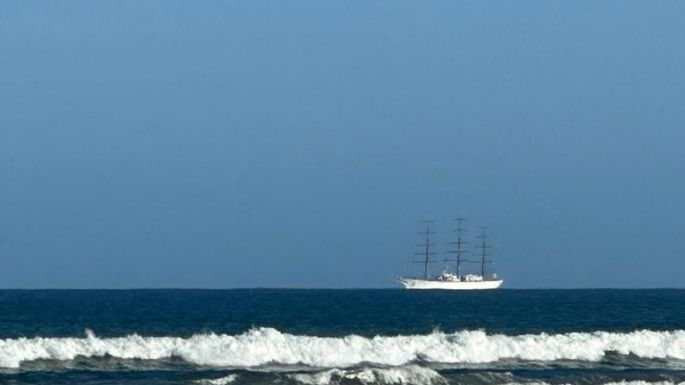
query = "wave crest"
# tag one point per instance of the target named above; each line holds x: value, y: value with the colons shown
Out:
x: 263, y: 346
x: 411, y: 374
x: 218, y: 381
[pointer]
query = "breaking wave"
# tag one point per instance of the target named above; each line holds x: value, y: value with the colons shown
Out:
x: 411, y: 374
x: 267, y: 346
x: 218, y: 381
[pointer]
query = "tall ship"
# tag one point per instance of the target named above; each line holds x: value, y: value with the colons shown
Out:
x: 457, y: 279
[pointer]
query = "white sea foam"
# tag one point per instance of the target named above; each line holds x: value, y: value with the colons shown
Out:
x: 218, y: 381
x: 269, y: 346
x: 410, y: 374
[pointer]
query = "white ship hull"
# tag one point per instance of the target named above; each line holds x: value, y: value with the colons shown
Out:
x: 412, y: 283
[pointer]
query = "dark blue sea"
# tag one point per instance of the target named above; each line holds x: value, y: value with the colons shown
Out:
x: 346, y: 337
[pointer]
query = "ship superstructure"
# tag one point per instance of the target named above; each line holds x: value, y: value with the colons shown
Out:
x: 457, y: 279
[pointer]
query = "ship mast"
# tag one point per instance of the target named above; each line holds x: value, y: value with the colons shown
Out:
x: 460, y: 243
x: 485, y: 250
x: 427, y: 248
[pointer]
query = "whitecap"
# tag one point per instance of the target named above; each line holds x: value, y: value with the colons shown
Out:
x: 262, y: 346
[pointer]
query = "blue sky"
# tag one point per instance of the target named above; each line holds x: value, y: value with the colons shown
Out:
x: 298, y: 143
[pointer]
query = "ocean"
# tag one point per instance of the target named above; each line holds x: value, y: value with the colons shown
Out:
x: 346, y: 337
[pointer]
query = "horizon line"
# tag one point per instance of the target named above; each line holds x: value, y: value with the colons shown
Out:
x: 319, y: 288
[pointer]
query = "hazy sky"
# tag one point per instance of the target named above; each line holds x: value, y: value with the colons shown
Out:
x: 298, y: 143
